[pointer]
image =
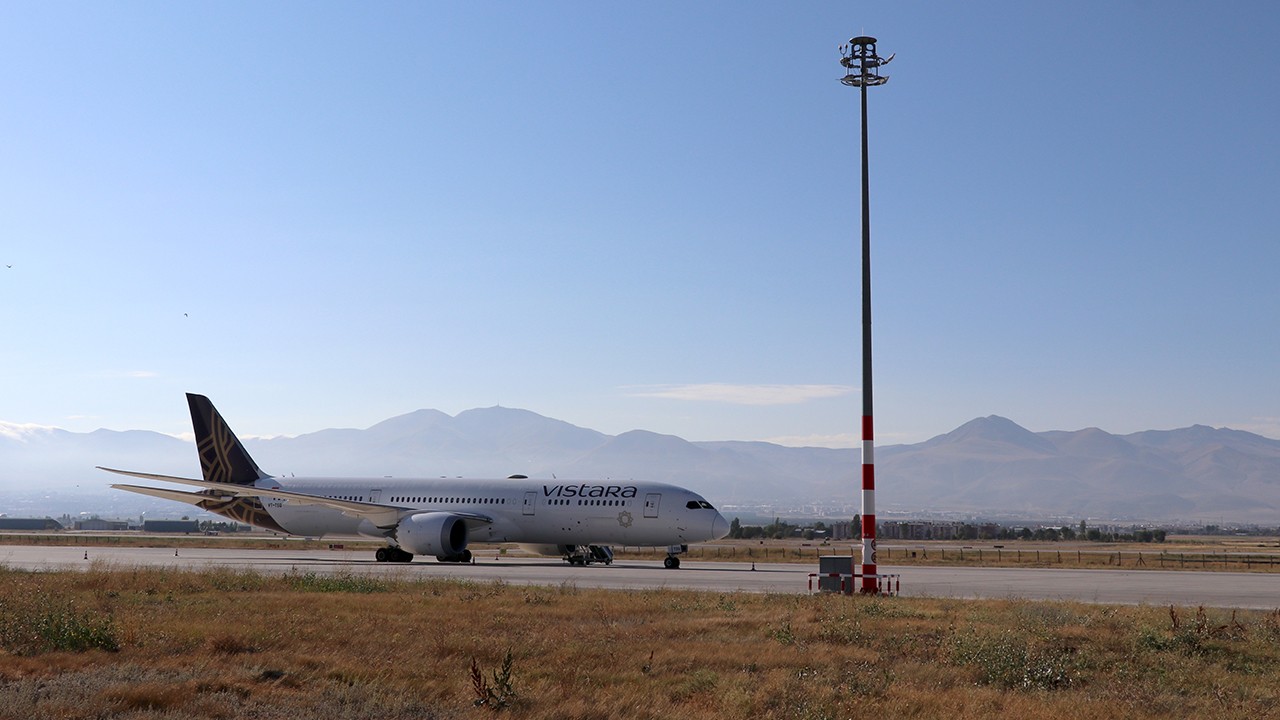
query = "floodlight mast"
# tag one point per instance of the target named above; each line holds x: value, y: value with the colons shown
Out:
x: 862, y: 70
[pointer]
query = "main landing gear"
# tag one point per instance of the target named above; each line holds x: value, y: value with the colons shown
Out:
x: 393, y: 554
x: 396, y: 555
x: 673, y: 560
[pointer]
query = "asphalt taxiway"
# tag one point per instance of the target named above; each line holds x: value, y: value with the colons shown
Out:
x: 1131, y: 587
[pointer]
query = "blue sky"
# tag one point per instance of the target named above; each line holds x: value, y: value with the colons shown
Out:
x: 639, y: 215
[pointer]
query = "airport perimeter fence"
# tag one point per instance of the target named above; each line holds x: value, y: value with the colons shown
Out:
x: 919, y: 555
x: 1131, y: 559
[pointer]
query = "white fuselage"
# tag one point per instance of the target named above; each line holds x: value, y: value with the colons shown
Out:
x: 550, y: 512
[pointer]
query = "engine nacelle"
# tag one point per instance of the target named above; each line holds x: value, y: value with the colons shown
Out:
x: 433, y: 533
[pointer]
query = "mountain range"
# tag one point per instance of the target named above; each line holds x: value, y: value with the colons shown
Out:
x: 988, y: 466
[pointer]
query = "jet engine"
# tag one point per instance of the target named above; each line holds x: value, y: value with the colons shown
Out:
x: 432, y: 533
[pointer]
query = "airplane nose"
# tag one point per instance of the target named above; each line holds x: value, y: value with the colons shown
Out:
x: 719, y: 527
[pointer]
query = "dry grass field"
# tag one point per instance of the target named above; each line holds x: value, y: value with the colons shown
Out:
x: 161, y: 643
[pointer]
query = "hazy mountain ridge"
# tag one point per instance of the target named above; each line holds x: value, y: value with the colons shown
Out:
x: 987, y: 465
x: 1190, y: 472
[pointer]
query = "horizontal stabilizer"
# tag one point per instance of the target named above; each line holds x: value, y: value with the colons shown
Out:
x: 161, y: 478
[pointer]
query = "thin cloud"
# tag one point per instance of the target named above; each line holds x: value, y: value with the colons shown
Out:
x: 742, y: 394
x: 843, y: 441
x: 838, y: 441
x: 1264, y: 426
x: 127, y: 374
x: 23, y: 431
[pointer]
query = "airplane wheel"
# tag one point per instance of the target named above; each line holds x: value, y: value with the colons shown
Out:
x: 671, y: 563
x: 465, y: 556
x: 381, y: 555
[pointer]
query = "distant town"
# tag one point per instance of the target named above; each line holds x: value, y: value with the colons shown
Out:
x: 97, y: 524
x: 754, y: 521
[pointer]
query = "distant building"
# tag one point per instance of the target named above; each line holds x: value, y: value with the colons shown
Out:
x: 842, y: 531
x: 8, y: 523
x: 918, y: 531
x: 99, y: 525
x: 171, y: 526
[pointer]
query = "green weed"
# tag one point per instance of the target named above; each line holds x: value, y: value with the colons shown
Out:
x: 342, y: 582
x: 496, y: 695
x: 41, y: 623
x: 1008, y: 661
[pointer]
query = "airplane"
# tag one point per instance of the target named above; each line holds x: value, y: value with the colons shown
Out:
x: 575, y: 520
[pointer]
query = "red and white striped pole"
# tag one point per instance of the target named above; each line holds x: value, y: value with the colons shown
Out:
x: 862, y: 69
x: 868, y: 509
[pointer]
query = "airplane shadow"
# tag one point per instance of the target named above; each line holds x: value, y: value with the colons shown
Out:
x: 498, y: 565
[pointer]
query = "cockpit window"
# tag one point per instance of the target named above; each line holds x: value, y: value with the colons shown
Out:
x: 699, y: 505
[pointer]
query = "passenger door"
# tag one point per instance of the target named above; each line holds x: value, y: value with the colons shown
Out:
x: 651, y: 504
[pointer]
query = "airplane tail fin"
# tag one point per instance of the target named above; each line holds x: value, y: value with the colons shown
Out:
x: 222, y: 457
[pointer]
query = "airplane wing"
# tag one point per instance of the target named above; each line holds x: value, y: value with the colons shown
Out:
x: 190, y: 498
x: 383, y: 516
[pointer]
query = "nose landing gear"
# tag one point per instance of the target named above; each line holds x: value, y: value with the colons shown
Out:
x: 673, y: 560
